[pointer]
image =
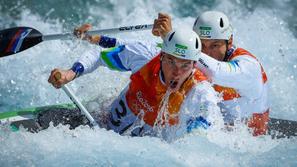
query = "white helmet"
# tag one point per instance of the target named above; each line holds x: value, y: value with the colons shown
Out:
x: 183, y: 44
x: 213, y: 25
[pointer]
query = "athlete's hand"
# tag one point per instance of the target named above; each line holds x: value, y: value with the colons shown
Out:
x: 162, y: 25
x: 81, y: 32
x: 58, y: 77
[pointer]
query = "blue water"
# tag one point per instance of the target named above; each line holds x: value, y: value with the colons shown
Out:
x: 266, y: 28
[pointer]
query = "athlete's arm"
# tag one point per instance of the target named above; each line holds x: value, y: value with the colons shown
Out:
x: 130, y: 57
x: 242, y: 73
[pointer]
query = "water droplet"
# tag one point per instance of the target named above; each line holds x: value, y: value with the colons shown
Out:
x: 12, y: 82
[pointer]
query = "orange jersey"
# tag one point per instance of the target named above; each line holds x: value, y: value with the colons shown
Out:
x: 139, y: 104
x: 146, y: 92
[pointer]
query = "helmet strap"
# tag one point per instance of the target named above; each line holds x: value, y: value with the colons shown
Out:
x: 161, y: 68
x: 226, y: 53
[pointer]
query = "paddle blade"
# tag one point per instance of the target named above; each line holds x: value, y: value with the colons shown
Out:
x: 14, y: 40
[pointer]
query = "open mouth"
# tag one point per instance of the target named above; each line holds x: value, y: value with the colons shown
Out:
x: 173, y: 84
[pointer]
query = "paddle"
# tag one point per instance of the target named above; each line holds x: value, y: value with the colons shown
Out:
x: 75, y: 100
x: 17, y: 39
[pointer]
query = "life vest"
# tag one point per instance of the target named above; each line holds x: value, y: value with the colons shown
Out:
x: 259, y: 121
x: 146, y: 92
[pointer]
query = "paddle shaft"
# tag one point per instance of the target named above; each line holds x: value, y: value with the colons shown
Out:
x: 75, y: 100
x: 102, y: 31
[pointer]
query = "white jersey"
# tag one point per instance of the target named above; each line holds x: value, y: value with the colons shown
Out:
x: 200, y: 101
x: 243, y: 73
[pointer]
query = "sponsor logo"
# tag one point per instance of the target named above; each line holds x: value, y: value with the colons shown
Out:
x: 143, y: 101
x: 137, y: 27
x: 203, y: 63
x: 205, y: 28
x: 180, y: 50
x: 205, y: 32
x: 181, y: 46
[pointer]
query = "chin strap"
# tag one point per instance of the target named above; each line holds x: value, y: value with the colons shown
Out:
x: 229, y: 52
x: 162, y: 74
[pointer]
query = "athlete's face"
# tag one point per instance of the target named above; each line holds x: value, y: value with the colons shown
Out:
x: 175, y: 70
x: 215, y: 48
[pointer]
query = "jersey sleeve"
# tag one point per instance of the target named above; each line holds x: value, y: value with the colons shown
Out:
x: 242, y: 73
x: 129, y: 57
